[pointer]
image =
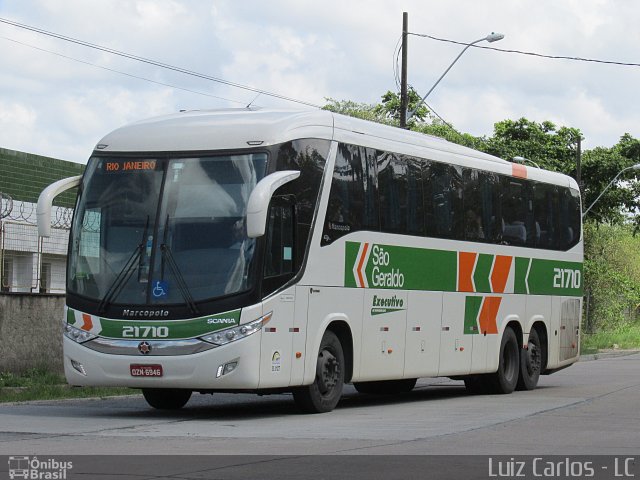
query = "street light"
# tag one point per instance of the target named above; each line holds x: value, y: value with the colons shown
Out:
x: 492, y: 37
x: 633, y: 167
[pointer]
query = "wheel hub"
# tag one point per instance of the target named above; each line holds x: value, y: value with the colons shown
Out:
x: 327, y: 371
x: 534, y: 359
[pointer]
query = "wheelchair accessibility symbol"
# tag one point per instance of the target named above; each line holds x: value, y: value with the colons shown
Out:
x: 160, y: 289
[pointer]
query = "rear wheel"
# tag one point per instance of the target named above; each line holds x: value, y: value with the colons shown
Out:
x: 324, y: 393
x: 530, y: 363
x: 166, y: 398
x: 386, y: 387
x: 506, y: 378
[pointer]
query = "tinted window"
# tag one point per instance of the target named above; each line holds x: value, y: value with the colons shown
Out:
x: 400, y: 194
x: 443, y: 200
x: 543, y: 213
x: 569, y: 218
x: 308, y: 156
x: 427, y: 198
x: 517, y: 213
x: 352, y: 200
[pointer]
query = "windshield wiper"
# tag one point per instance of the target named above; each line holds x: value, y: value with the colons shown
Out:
x: 124, y: 275
x: 121, y: 280
x: 182, y: 285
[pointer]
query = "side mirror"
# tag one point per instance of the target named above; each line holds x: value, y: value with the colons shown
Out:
x: 258, y: 204
x: 45, y: 201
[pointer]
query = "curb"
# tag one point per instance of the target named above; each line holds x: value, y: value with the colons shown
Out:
x: 610, y: 354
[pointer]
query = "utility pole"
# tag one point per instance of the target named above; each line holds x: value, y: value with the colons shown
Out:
x: 404, y: 97
x: 578, y: 160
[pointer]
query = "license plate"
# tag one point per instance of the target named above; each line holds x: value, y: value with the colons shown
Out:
x: 145, y: 370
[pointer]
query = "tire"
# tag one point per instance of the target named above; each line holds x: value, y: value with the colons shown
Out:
x: 386, y: 387
x: 530, y: 363
x: 326, y: 390
x: 166, y: 398
x: 506, y: 378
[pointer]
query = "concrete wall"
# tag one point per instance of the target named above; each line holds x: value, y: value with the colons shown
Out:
x: 31, y: 332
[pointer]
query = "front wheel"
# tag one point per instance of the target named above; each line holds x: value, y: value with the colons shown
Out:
x: 166, y: 398
x: 324, y: 393
x: 530, y: 363
x: 506, y: 378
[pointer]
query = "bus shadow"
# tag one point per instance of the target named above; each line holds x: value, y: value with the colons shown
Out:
x: 238, y: 407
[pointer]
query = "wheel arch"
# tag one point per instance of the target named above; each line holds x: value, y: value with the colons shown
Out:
x: 516, y: 326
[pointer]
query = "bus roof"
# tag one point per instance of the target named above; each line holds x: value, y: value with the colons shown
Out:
x: 228, y: 129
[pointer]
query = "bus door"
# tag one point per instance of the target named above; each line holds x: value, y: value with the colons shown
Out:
x: 276, y: 354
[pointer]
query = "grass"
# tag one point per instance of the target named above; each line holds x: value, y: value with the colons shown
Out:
x: 40, y: 384
x: 623, y: 338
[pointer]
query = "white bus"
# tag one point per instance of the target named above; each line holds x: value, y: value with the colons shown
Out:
x: 268, y: 251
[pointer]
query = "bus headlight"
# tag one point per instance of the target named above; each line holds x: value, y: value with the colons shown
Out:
x: 75, y: 334
x: 228, y: 335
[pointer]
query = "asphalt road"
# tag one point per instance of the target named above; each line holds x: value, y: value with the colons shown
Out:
x: 584, y: 421
x: 590, y: 408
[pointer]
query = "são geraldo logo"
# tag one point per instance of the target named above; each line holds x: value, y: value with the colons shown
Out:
x: 373, y: 268
x: 38, y: 469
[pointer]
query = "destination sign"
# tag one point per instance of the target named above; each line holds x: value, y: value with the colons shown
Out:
x: 129, y: 166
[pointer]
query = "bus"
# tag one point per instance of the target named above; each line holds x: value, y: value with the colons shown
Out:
x: 254, y: 250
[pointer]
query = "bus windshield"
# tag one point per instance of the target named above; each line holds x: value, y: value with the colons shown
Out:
x: 164, y: 230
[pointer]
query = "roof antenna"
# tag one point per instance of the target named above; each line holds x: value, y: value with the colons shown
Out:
x: 256, y: 97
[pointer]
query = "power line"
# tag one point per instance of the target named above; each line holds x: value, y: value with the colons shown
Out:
x: 118, y: 71
x: 396, y: 62
x: 531, y: 54
x: 155, y: 63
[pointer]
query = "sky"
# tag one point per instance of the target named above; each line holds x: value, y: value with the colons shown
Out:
x: 61, y: 104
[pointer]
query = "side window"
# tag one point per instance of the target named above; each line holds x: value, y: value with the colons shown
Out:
x: 543, y: 214
x: 475, y: 225
x: 353, y: 198
x: 279, y: 251
x: 517, y: 211
x: 569, y: 218
x: 443, y: 206
x: 400, y: 194
x: 309, y: 157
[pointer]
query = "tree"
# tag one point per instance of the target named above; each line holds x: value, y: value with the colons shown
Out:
x: 620, y: 203
x: 545, y: 144
x: 390, y: 107
x: 387, y: 111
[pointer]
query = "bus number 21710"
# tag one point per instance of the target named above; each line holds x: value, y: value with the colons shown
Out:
x: 566, y: 278
x: 145, y: 332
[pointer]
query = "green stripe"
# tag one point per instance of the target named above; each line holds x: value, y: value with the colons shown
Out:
x: 350, y: 259
x: 552, y: 277
x: 412, y: 268
x: 471, y: 311
x: 482, y: 273
x: 165, y: 329
x: 522, y: 265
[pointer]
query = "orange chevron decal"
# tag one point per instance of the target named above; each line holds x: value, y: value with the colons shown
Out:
x: 361, y: 265
x: 489, y: 314
x: 466, y: 263
x: 500, y: 274
x: 88, y: 323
